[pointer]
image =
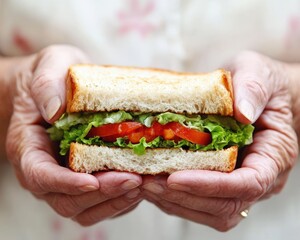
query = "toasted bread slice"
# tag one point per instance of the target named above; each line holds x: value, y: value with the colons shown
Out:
x: 84, y: 158
x: 108, y: 88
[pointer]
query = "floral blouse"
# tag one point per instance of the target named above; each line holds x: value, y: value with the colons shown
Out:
x: 189, y: 35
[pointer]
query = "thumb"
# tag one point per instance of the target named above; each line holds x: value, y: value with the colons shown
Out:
x: 48, y: 86
x: 252, y: 85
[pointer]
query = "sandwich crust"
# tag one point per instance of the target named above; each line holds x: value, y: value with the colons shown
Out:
x: 93, y: 88
x: 84, y: 158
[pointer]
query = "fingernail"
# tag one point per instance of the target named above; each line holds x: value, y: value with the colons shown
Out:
x: 247, y: 109
x: 154, y: 188
x: 179, y: 187
x: 133, y: 193
x: 88, y: 188
x: 129, y: 184
x: 52, y: 107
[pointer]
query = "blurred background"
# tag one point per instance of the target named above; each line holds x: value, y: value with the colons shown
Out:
x: 188, y: 35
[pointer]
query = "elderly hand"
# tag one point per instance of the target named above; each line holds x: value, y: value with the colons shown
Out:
x: 261, y: 91
x: 37, y: 86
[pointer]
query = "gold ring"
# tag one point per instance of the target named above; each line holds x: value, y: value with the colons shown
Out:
x: 244, y: 213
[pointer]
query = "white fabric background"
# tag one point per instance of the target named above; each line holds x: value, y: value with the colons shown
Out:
x: 190, y: 35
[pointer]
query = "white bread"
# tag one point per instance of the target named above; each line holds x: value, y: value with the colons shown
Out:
x: 108, y: 88
x: 84, y: 158
x: 93, y: 88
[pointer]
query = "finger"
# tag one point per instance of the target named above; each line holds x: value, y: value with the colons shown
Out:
x: 212, y: 205
x: 269, y: 155
x: 47, y: 176
x: 215, y: 206
x: 112, y: 185
x: 244, y: 183
x: 131, y: 208
x: 257, y: 174
x: 41, y: 172
x: 253, y: 85
x: 277, y: 186
x: 247, y: 183
x: 216, y: 222
x: 109, y: 208
x: 48, y: 84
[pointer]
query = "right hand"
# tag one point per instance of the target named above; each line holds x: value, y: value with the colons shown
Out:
x: 38, y: 97
x: 262, y: 96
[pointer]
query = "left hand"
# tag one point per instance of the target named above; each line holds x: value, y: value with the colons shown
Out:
x: 37, y: 84
x: 216, y: 199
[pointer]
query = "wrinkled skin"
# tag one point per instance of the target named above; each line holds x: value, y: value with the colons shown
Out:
x: 207, y: 197
x: 262, y: 97
x: 85, y: 198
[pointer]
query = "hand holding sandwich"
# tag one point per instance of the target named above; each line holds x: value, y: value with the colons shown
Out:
x: 208, y: 197
x: 263, y: 89
x: 33, y: 91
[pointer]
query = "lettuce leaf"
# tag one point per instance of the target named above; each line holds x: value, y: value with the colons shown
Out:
x: 225, y: 131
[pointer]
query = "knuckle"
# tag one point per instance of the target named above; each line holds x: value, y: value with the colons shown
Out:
x: 290, y: 152
x: 257, y: 189
x: 105, y: 193
x: 229, y: 208
x: 34, y: 176
x: 257, y: 88
x: 256, y: 186
x: 64, y: 205
x: 117, y: 206
x: 42, y: 80
x: 168, y: 208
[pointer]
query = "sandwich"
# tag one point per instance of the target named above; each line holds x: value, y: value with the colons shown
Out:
x: 149, y: 121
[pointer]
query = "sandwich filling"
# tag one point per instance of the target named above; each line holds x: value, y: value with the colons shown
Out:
x: 140, y: 131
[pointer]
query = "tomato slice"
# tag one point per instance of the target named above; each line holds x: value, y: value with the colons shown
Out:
x: 115, y: 129
x: 111, y: 138
x: 155, y: 130
x: 135, y: 137
x: 168, y: 134
x: 192, y: 135
x: 134, y: 131
x: 150, y: 133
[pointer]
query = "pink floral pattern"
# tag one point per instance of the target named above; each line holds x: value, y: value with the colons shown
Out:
x: 21, y: 42
x: 58, y: 229
x: 135, y: 17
